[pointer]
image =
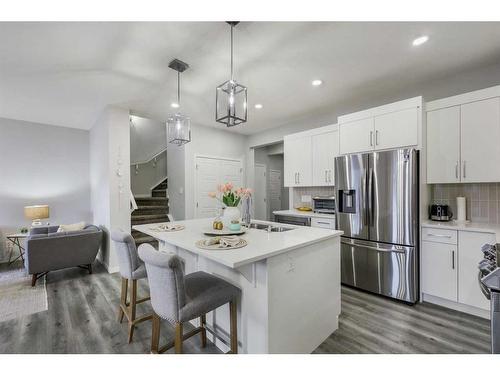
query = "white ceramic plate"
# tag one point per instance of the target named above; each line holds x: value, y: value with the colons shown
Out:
x: 167, y: 227
x: 223, y: 232
x: 201, y: 245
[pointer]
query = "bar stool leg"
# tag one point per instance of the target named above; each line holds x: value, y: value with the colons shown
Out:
x: 203, y: 323
x: 123, y: 299
x: 155, y: 335
x: 233, y: 326
x: 132, y: 307
x: 178, y: 338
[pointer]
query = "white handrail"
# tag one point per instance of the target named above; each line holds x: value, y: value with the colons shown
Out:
x: 151, y: 158
x: 133, y: 203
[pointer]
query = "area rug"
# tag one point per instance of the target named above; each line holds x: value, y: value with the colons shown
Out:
x: 18, y: 298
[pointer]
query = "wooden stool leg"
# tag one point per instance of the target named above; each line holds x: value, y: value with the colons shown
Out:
x: 123, y: 299
x: 178, y: 338
x: 203, y: 323
x: 33, y: 279
x: 155, y: 335
x: 132, y: 306
x: 233, y: 326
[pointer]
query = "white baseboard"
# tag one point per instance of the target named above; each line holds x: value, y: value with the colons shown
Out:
x: 456, y: 306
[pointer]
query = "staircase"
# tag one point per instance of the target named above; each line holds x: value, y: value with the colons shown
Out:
x: 152, y: 209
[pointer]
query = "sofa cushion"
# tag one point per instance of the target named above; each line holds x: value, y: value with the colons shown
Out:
x: 71, y: 227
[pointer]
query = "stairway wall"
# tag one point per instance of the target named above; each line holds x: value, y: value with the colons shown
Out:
x: 148, y: 176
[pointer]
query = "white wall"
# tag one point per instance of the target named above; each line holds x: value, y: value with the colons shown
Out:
x: 42, y: 164
x: 206, y: 141
x: 147, y: 138
x: 109, y: 157
x: 148, y: 176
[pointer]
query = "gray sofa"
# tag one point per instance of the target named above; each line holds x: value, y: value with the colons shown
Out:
x: 47, y: 250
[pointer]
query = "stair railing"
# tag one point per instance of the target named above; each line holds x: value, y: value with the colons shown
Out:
x: 133, y: 203
x: 151, y: 159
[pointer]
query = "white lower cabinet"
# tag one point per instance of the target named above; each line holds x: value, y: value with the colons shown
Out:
x: 449, y: 266
x: 439, y: 271
x: 325, y: 223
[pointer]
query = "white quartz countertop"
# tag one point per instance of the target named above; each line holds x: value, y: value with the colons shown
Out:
x: 303, y: 214
x: 464, y: 226
x: 261, y: 244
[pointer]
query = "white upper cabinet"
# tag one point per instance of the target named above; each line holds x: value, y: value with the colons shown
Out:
x: 480, y: 125
x: 324, y: 150
x: 462, y: 138
x: 396, y: 129
x: 356, y: 136
x: 389, y: 126
x: 309, y: 157
x: 443, y: 145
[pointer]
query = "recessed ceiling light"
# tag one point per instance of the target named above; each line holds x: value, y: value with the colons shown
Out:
x: 420, y: 40
x: 258, y: 106
x: 174, y: 105
x: 317, y: 82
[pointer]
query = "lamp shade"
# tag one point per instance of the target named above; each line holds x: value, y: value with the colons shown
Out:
x: 36, y: 212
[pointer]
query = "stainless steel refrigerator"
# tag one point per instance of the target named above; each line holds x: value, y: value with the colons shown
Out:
x: 377, y: 208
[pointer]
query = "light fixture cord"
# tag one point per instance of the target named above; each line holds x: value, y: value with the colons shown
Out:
x: 232, y: 26
x: 178, y: 88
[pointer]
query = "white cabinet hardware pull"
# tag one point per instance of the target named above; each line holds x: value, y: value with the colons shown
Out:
x: 453, y: 260
x: 464, y: 170
x: 330, y: 174
x: 456, y: 170
x: 371, y: 138
x: 438, y: 235
x: 326, y: 175
x: 376, y: 137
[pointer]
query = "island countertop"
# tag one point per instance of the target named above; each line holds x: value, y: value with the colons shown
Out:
x: 261, y: 244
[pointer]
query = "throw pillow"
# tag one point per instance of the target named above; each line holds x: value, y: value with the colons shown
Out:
x: 71, y: 227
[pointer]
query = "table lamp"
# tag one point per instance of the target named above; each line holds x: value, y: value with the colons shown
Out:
x: 35, y: 213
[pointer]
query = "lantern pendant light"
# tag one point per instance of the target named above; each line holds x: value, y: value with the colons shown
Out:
x: 231, y: 97
x: 178, y: 124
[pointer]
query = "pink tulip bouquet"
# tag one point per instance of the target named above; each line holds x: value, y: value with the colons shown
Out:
x: 229, y: 196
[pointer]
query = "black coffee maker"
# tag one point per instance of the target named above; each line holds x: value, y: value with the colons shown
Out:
x: 440, y: 212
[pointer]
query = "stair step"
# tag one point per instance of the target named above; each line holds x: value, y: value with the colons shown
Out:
x: 146, y: 219
x: 152, y: 201
x: 159, y: 193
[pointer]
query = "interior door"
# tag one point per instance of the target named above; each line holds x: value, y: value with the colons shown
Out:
x: 356, y: 136
x: 210, y: 172
x: 480, y: 132
x: 260, y: 192
x: 396, y: 129
x: 275, y: 186
x: 443, y: 145
x: 350, y: 190
x: 393, y: 196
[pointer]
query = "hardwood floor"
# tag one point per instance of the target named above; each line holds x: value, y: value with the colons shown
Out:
x: 373, y: 324
x: 82, y: 318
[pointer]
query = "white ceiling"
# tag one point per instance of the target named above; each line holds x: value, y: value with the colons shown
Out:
x: 66, y: 73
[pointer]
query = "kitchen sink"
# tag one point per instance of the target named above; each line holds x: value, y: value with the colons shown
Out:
x: 269, y: 227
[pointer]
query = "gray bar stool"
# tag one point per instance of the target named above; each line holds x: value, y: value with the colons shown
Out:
x: 180, y: 298
x: 131, y: 269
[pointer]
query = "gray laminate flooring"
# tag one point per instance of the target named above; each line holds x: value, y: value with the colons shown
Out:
x: 82, y: 318
x: 374, y: 324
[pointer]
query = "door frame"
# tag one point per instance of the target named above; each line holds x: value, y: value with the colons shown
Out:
x: 280, y: 189
x: 195, y: 170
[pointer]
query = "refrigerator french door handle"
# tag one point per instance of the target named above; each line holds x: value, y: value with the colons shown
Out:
x: 349, y: 243
x: 370, y: 197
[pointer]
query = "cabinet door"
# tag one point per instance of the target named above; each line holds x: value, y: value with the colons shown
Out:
x: 480, y: 132
x: 324, y: 151
x: 356, y: 136
x: 439, y: 270
x: 397, y: 129
x: 298, y: 161
x: 469, y: 255
x: 443, y: 145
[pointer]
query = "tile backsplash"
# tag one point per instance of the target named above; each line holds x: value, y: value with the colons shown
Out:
x: 482, y: 200
x: 298, y: 192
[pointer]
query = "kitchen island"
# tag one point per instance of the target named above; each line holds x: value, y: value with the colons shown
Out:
x: 290, y: 283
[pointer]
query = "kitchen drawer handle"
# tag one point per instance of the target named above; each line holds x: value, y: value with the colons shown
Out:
x: 323, y: 222
x: 438, y: 235
x: 345, y: 242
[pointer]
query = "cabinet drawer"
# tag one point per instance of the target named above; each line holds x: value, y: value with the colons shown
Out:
x: 439, y: 235
x: 323, y: 223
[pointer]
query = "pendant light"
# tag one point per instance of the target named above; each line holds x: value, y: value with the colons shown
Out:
x: 231, y: 97
x: 178, y: 124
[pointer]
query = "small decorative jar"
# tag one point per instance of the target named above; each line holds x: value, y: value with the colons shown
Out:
x: 235, y: 225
